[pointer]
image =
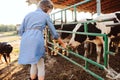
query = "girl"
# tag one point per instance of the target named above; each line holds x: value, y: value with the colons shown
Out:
x: 32, y: 48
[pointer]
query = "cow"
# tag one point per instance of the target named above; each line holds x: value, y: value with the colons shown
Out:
x: 5, y: 50
x: 111, y: 28
x: 78, y: 39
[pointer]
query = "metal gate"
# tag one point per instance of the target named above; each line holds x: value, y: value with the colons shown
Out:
x: 105, y: 45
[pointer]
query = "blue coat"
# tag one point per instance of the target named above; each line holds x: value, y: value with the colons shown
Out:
x: 32, y: 38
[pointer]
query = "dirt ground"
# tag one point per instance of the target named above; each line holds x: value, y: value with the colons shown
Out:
x: 57, y: 68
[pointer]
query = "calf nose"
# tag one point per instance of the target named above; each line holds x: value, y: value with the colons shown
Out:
x: 70, y: 45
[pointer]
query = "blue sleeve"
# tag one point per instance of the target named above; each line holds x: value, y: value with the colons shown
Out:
x: 22, y: 28
x: 52, y: 28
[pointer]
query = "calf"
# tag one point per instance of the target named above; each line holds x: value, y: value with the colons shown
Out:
x: 114, y: 44
x: 115, y: 30
x: 109, y: 27
x: 77, y: 39
x: 5, y: 50
x: 64, y: 36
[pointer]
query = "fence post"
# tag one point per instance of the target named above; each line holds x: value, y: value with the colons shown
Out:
x: 98, y: 7
x: 106, y: 51
x: 61, y: 16
x: 85, y: 27
x: 75, y: 17
x: 65, y: 15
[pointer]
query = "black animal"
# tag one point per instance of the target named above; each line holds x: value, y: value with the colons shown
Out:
x: 5, y: 50
x: 78, y: 39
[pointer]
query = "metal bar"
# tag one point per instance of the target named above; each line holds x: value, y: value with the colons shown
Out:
x: 61, y: 16
x: 92, y: 34
x: 85, y: 28
x: 80, y: 22
x: 65, y: 16
x: 111, y: 53
x: 115, y: 24
x: 93, y: 74
x: 75, y: 17
x: 54, y: 19
x: 103, y: 20
x: 97, y: 20
x: 98, y: 7
x: 105, y: 51
x: 86, y: 64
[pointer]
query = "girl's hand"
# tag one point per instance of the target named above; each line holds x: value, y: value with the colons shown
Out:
x: 64, y: 45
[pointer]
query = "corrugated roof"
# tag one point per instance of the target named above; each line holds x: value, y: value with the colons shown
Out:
x: 107, y: 6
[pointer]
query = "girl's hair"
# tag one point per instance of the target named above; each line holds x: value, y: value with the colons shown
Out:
x: 45, y: 5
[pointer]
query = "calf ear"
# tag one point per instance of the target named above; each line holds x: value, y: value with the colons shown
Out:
x: 118, y: 15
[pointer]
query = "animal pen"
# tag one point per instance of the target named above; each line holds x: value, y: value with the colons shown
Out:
x: 63, y: 21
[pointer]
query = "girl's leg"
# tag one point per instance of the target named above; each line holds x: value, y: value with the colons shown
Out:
x: 41, y: 69
x: 33, y: 71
